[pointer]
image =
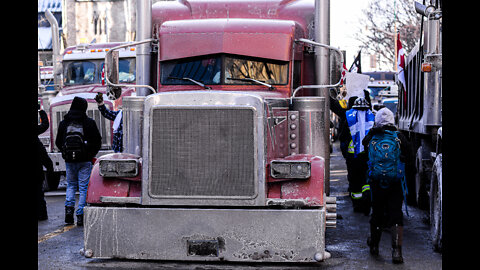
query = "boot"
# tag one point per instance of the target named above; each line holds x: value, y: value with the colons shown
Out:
x: 374, y: 239
x: 397, y: 237
x: 80, y: 220
x: 69, y: 215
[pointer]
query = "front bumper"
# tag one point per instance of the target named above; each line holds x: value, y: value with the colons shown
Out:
x: 249, y: 235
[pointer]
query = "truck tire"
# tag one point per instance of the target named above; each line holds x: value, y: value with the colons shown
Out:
x: 436, y: 204
x: 422, y: 178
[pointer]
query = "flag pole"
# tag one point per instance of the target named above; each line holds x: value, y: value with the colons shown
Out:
x: 395, y: 33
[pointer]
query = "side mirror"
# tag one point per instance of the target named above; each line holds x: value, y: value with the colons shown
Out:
x: 111, y: 64
x: 424, y: 10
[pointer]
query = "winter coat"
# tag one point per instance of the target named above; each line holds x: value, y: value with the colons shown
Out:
x: 77, y: 113
x: 43, y: 160
x: 117, y: 145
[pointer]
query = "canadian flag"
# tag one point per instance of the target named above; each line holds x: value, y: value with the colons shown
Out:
x: 344, y: 72
x: 103, y: 75
x: 400, y: 61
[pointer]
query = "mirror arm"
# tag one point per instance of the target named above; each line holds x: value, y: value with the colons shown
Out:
x: 325, y: 46
x: 124, y: 46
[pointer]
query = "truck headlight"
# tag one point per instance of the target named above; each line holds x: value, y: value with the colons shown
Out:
x: 290, y: 169
x: 119, y: 168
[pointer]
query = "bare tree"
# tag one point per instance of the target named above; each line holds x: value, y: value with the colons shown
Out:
x: 378, y: 24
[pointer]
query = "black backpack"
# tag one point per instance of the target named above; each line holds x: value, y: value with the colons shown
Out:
x: 74, y: 148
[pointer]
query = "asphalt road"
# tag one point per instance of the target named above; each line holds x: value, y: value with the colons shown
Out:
x: 59, y: 245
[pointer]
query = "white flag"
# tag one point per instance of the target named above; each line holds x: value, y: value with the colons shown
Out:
x: 400, y: 61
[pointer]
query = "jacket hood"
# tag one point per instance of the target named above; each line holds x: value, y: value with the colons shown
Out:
x: 79, y: 104
x: 78, y: 109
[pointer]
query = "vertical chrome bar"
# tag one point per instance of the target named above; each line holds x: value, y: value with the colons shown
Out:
x: 322, y: 64
x: 144, y: 31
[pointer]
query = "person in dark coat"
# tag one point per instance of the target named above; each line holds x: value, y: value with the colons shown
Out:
x: 387, y: 201
x: 44, y: 160
x: 78, y: 172
x: 346, y: 147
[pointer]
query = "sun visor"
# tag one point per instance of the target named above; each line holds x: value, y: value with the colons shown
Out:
x: 256, y: 38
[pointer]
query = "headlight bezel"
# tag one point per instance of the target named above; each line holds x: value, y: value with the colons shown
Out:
x: 290, y: 169
x: 116, y: 168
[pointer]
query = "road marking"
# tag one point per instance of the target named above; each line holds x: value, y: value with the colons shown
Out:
x: 340, y: 194
x: 55, y: 233
x: 339, y: 172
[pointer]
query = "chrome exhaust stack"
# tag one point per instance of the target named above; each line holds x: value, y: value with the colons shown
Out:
x: 144, y: 32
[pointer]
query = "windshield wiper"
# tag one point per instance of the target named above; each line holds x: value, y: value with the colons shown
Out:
x: 253, y: 80
x: 191, y: 80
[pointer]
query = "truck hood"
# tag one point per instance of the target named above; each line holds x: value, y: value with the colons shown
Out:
x: 90, y: 88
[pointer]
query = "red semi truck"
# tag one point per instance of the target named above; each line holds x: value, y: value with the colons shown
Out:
x: 226, y: 142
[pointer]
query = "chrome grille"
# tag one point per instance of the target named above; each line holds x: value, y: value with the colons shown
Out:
x: 203, y: 152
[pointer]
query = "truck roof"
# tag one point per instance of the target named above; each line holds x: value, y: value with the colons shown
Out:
x: 299, y: 11
x: 96, y: 51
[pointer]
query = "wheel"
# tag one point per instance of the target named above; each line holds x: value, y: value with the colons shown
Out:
x: 436, y: 204
x: 422, y: 177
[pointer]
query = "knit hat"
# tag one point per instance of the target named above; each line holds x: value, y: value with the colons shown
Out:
x: 384, y: 117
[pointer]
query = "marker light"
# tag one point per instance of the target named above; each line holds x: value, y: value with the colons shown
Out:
x: 426, y: 67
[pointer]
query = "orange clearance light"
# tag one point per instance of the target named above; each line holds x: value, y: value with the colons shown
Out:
x: 107, y: 50
x: 69, y: 52
x: 132, y: 49
x: 426, y: 67
x: 99, y: 50
x: 92, y: 50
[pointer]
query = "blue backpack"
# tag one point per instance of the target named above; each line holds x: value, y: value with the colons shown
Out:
x: 384, y: 165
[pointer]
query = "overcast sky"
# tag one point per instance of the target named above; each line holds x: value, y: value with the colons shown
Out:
x: 344, y: 22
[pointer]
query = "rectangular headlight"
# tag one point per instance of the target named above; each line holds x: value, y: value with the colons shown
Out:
x: 119, y: 168
x: 290, y: 169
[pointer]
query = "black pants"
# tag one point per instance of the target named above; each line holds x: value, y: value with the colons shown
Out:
x: 386, y: 205
x: 41, y: 204
x: 357, y: 172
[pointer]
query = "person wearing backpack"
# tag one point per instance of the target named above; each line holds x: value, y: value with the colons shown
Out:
x: 388, y: 151
x: 79, y: 140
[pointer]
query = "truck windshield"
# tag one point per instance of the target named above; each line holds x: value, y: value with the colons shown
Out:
x: 90, y: 71
x: 82, y: 72
x: 267, y: 71
x: 217, y: 69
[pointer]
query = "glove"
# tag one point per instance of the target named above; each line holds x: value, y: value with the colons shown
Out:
x: 333, y: 93
x: 99, y: 99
